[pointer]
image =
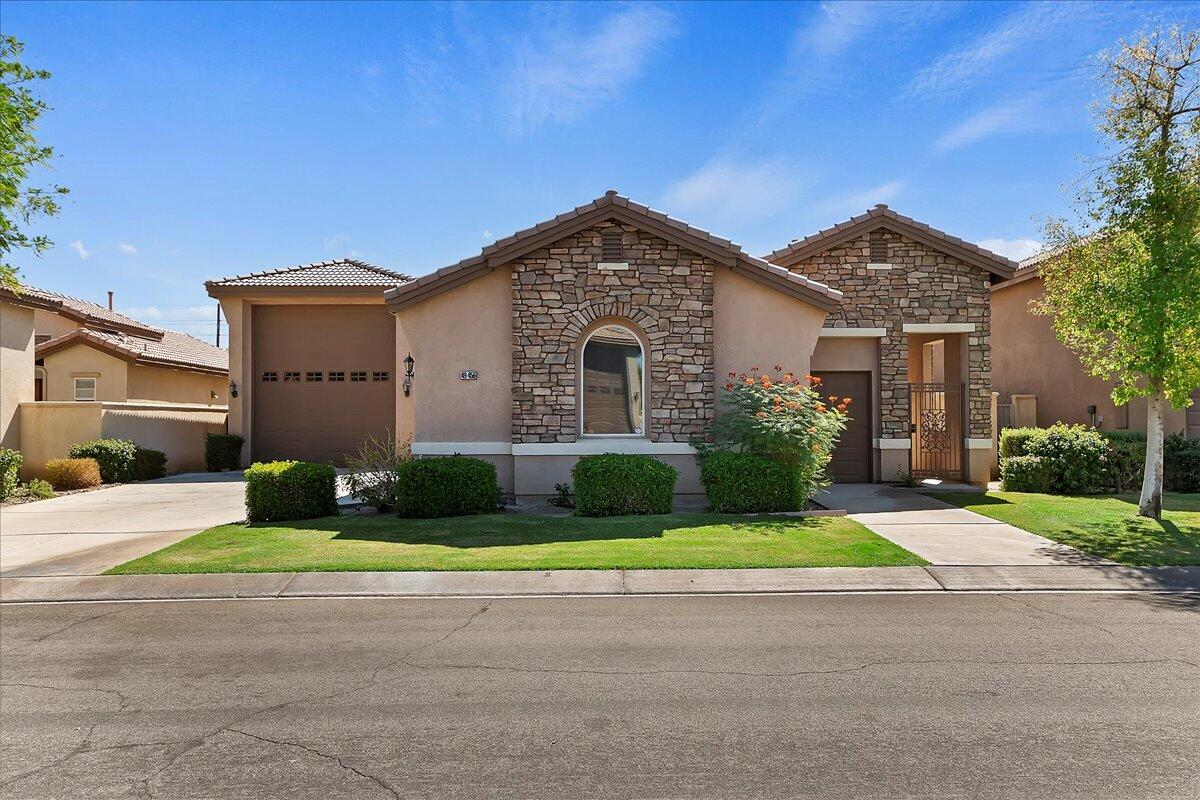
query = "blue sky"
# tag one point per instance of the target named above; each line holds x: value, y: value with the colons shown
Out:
x: 202, y: 140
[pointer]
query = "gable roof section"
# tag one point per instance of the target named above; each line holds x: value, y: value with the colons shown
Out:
x: 81, y: 311
x: 613, y: 206
x: 881, y: 216
x: 173, y: 350
x: 343, y: 275
x: 1030, y: 267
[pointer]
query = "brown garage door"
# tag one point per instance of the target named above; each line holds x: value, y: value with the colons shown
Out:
x: 324, y: 378
x: 852, y: 457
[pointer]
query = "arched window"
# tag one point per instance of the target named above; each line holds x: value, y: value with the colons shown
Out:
x: 613, y: 366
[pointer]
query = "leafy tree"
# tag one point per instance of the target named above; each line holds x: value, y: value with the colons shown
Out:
x: 19, y: 152
x: 1126, y: 296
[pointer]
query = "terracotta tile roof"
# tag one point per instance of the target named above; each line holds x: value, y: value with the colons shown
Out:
x: 173, y: 349
x: 340, y: 272
x: 89, y: 313
x: 798, y: 249
x: 495, y: 252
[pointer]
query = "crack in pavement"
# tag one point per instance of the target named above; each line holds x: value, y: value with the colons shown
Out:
x: 337, y: 759
x: 1085, y: 622
x: 71, y: 625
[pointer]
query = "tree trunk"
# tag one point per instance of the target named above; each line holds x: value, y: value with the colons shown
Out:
x: 1150, y: 504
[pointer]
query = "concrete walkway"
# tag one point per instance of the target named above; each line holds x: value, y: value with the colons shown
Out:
x: 87, y: 533
x: 943, y: 534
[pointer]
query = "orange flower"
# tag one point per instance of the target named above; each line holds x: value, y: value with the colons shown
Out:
x: 821, y: 407
x: 845, y: 399
x: 842, y: 407
x: 749, y: 381
x: 814, y: 380
x: 729, y: 386
x: 761, y: 415
x: 766, y: 382
x: 833, y: 398
x: 788, y: 377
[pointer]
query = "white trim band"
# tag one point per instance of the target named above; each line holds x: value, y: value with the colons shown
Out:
x: 853, y: 333
x: 893, y: 444
x: 879, y: 265
x: 588, y: 447
x: 462, y: 448
x: 939, y: 327
x: 977, y: 444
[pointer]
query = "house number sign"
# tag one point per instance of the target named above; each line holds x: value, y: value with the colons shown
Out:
x: 468, y: 374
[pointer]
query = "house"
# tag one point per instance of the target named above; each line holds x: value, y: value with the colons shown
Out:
x: 74, y: 371
x: 1029, y: 360
x: 609, y: 328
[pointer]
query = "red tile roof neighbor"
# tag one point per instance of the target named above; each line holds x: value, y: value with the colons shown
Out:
x: 85, y: 312
x: 613, y: 206
x: 343, y: 272
x: 881, y: 216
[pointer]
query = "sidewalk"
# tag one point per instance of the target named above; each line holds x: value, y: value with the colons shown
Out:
x: 599, y: 582
x: 943, y: 534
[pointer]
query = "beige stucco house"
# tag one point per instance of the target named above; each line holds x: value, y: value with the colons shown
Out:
x: 1030, y: 363
x: 609, y: 328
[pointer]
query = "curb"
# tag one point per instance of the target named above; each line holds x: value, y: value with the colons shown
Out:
x: 815, y: 580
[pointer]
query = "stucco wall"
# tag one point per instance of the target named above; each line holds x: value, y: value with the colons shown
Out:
x: 51, y: 324
x: 62, y: 366
x: 757, y: 326
x: 466, y: 329
x: 16, y: 369
x: 1027, y: 358
x: 48, y: 430
x: 176, y: 386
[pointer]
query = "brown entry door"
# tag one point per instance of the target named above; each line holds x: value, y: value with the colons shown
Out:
x: 324, y: 379
x: 852, y: 457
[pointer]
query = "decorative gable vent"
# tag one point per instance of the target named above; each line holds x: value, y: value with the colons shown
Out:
x: 610, y: 247
x: 879, y: 248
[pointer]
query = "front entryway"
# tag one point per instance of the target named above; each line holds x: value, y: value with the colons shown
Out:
x: 852, y: 457
x: 937, y: 434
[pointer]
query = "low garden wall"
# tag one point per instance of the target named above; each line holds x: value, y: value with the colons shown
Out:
x: 48, y: 429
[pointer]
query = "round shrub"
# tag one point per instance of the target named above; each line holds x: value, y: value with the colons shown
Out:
x: 1181, y: 463
x: 1076, y: 457
x: 149, y: 464
x: 286, y: 490
x: 39, y: 488
x: 612, y: 484
x: 1015, y: 441
x: 743, y: 483
x: 1024, y: 474
x: 447, y: 486
x: 222, y: 451
x: 10, y: 470
x: 1126, y: 459
x: 115, y: 457
x: 65, y: 474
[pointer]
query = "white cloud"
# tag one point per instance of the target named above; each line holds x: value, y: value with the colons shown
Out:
x: 171, y: 313
x: 1016, y: 249
x: 127, y: 249
x: 78, y: 247
x: 337, y: 241
x: 488, y: 235
x: 836, y: 27
x: 559, y: 75
x: 728, y: 190
x: 1022, y: 114
x: 1027, y: 24
x: 883, y: 193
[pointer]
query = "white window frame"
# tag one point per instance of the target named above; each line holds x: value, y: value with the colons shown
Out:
x: 95, y: 388
x: 645, y: 434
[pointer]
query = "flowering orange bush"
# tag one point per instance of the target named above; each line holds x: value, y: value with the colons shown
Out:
x: 782, y: 418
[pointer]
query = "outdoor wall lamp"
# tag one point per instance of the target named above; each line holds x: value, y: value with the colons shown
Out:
x: 409, y: 363
x: 233, y: 388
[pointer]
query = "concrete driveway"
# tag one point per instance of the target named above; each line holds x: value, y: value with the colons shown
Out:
x: 85, y: 534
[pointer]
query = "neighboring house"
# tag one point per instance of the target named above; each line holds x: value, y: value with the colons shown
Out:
x: 86, y: 352
x: 1028, y: 359
x: 18, y: 311
x: 609, y: 329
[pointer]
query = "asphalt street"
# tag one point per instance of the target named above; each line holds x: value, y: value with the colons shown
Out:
x: 828, y: 696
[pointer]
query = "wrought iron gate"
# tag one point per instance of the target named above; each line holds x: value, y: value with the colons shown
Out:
x: 937, y: 430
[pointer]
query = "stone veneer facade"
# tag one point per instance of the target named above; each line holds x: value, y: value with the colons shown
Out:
x: 557, y: 291
x: 922, y: 286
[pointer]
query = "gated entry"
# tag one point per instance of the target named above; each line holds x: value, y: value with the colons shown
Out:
x: 937, y: 430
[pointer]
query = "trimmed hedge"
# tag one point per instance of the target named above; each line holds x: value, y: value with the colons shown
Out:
x: 222, y: 451
x: 10, y: 471
x: 1076, y: 455
x: 1025, y: 474
x: 612, y: 484
x: 65, y: 474
x: 1126, y: 460
x: 115, y: 457
x: 1181, y: 464
x: 446, y: 486
x: 287, y: 490
x: 149, y: 464
x: 743, y: 483
x: 1015, y: 441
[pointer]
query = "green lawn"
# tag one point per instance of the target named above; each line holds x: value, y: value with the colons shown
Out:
x: 1106, y: 526
x: 518, y: 541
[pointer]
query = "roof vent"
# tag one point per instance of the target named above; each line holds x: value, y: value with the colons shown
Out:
x: 879, y: 248
x: 610, y: 246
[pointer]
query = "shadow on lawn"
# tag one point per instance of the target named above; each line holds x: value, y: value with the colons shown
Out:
x: 506, y: 530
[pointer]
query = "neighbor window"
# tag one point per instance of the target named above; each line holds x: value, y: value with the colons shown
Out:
x: 85, y: 388
x: 613, y: 365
